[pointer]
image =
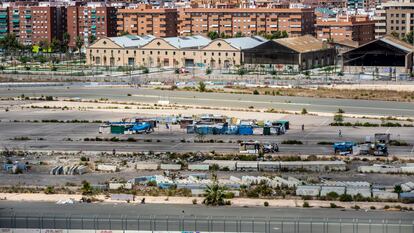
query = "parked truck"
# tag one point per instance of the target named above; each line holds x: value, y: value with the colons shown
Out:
x: 256, y: 147
x: 344, y: 148
x: 376, y: 147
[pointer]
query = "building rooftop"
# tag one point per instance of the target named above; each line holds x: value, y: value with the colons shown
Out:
x: 246, y: 42
x: 302, y: 44
x: 348, y: 43
x: 397, y: 43
x: 247, y: 10
x: 130, y: 41
x: 188, y: 41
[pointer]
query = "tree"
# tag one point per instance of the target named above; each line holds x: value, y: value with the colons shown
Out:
x: 398, y: 189
x: 395, y: 34
x: 213, y: 35
x: 332, y: 196
x: 345, y: 198
x: 86, y: 188
x: 65, y: 42
x: 214, y: 194
x: 238, y: 34
x: 9, y: 43
x: 79, y: 43
x: 54, y: 45
x: 43, y: 46
x: 284, y: 34
x: 241, y: 71
x: 201, y: 86
x: 409, y: 37
x: 145, y: 70
x: 208, y: 71
x: 124, y: 33
x: 91, y: 39
x: 338, y: 118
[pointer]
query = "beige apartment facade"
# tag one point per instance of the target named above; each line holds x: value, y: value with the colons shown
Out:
x: 394, y: 17
x: 247, y: 21
x: 146, y: 20
x: 160, y: 52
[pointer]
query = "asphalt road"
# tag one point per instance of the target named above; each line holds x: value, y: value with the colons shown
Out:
x: 196, y: 218
x: 364, y: 107
x: 53, y: 136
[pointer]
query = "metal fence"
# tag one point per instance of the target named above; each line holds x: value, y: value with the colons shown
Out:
x: 208, y: 224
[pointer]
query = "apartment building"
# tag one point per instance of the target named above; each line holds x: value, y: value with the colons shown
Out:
x: 87, y: 21
x: 399, y: 17
x: 248, y: 21
x: 355, y: 4
x: 33, y: 24
x: 4, y: 21
x: 355, y: 28
x: 332, y: 3
x: 145, y: 20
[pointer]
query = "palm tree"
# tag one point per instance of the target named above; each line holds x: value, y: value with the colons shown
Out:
x: 54, y: 44
x: 91, y: 39
x: 79, y: 43
x: 65, y: 42
x: 214, y: 194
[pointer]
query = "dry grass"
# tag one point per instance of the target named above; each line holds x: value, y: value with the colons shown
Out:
x: 387, y: 95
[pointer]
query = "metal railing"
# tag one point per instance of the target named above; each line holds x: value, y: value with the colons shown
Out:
x: 208, y: 224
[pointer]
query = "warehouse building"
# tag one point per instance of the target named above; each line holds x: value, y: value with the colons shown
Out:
x: 175, y: 52
x: 387, y: 56
x: 298, y: 53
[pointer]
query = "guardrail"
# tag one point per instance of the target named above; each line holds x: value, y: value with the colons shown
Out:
x: 126, y: 224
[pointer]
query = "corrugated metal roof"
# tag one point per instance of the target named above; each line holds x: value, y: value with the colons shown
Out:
x: 397, y: 43
x: 131, y: 41
x: 302, y: 44
x: 188, y: 41
x: 246, y: 42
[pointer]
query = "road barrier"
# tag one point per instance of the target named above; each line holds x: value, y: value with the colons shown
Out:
x: 187, y: 224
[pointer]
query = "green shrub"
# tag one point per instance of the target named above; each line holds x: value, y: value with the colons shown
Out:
x: 306, y: 204
x: 266, y: 204
x: 345, y: 198
x: 292, y: 142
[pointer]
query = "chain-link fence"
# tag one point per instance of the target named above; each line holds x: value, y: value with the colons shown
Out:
x: 208, y: 224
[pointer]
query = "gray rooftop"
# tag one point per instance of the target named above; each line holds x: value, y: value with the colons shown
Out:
x: 188, y: 41
x: 246, y: 42
x: 132, y: 41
